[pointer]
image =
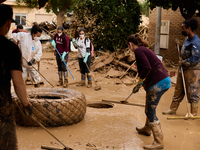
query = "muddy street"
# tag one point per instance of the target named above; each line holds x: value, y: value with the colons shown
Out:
x: 109, y: 128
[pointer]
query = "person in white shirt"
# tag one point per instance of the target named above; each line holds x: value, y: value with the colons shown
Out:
x: 31, y: 50
x: 84, y: 53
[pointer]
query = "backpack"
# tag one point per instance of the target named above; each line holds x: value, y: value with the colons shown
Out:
x: 91, y: 46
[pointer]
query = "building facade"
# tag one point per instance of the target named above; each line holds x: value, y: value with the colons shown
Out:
x: 30, y: 14
x: 170, y: 31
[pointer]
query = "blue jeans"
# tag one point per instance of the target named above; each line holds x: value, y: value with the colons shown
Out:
x: 152, y: 101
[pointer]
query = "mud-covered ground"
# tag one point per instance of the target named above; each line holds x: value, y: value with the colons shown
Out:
x: 113, y: 128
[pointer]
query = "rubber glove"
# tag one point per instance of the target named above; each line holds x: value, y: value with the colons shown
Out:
x: 140, y: 81
x: 63, y: 56
x: 74, y: 42
x: 30, y: 63
x: 53, y: 43
x: 86, y: 57
x: 138, y: 85
x: 28, y: 110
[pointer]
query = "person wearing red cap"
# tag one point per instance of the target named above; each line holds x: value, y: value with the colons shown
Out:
x: 10, y: 68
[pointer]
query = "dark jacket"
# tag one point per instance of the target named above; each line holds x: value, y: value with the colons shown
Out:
x: 149, y: 67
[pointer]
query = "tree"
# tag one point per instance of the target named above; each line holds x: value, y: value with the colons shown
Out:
x: 145, y: 7
x: 59, y: 7
x: 188, y: 8
x: 115, y: 21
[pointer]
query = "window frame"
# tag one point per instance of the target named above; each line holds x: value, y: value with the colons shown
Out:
x: 21, y: 14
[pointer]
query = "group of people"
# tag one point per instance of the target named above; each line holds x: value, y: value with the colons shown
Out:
x: 155, y: 79
x: 62, y: 44
x: 152, y: 74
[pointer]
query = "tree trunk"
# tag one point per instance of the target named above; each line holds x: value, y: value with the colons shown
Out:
x: 60, y: 17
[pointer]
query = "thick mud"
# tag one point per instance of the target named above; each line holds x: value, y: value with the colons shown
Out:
x: 110, y: 128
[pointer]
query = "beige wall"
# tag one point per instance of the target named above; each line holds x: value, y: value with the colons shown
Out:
x: 33, y: 15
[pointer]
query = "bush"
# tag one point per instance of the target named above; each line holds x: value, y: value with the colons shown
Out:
x: 107, y: 23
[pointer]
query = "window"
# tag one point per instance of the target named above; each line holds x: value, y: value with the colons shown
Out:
x: 19, y: 19
x: 164, y: 34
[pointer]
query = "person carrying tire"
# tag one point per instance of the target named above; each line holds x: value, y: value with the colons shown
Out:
x: 31, y: 49
x: 10, y: 68
x: 84, y: 53
x: 190, y: 61
x: 62, y: 44
x: 155, y: 80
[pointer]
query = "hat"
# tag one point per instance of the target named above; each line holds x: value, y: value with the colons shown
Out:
x: 6, y: 13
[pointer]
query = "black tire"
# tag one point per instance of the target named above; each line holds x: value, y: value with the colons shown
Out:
x: 52, y: 107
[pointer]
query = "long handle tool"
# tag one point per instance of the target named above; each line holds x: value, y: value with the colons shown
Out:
x: 97, y: 87
x: 41, y: 125
x: 188, y: 115
x: 64, y: 62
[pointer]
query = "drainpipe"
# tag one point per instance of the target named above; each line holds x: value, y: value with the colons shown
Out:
x: 157, y: 36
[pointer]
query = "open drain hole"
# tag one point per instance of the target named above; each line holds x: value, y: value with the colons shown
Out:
x: 100, y: 105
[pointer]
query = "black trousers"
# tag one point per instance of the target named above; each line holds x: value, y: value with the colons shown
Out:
x: 60, y: 63
x: 83, y: 67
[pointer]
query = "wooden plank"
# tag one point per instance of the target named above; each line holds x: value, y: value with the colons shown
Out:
x: 119, y: 102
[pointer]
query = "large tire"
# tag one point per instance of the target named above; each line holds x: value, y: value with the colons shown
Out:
x: 52, y: 107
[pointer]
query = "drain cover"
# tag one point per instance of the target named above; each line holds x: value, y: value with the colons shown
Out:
x: 100, y: 105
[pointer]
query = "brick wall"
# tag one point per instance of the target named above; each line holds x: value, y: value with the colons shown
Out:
x: 176, y: 20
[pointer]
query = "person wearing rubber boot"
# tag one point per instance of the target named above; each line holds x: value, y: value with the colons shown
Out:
x: 155, y: 80
x: 190, y: 61
x: 84, y: 52
x: 61, y: 41
x: 10, y: 68
x: 31, y: 49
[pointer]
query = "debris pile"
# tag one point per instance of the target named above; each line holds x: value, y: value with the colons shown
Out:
x: 118, y: 65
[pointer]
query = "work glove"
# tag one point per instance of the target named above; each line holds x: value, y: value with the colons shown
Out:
x: 28, y: 110
x: 63, y: 56
x: 138, y: 85
x: 53, y: 43
x: 30, y: 63
x: 86, y: 57
x: 74, y: 42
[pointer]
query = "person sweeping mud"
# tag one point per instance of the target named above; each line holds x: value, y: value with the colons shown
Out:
x: 190, y: 61
x: 155, y: 80
x: 62, y: 45
x: 31, y: 49
x: 84, y: 52
x: 10, y: 68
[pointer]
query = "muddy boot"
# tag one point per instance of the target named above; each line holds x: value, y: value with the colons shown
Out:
x: 172, y: 109
x: 89, y: 77
x: 65, y: 85
x: 158, y: 137
x: 65, y: 79
x: 146, y: 130
x: 194, y: 108
x: 83, y: 80
x: 60, y: 82
x: 37, y: 85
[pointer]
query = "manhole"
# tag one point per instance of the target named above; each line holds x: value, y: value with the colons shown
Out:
x: 100, y: 105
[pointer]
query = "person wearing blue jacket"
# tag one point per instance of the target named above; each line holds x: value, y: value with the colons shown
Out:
x: 190, y: 61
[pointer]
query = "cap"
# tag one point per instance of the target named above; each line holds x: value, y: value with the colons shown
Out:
x: 6, y: 13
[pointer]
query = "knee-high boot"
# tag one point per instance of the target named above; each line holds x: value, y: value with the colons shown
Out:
x: 60, y: 82
x: 158, y: 137
x: 146, y: 130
